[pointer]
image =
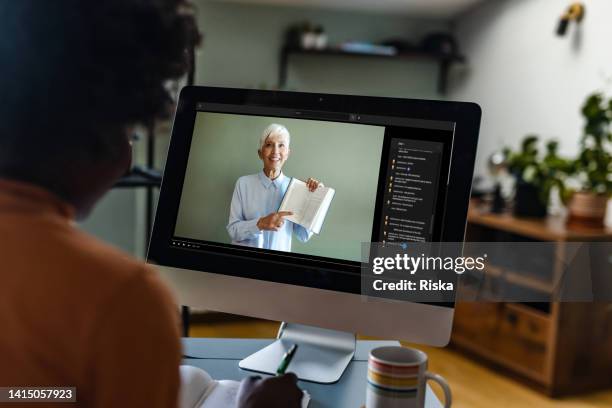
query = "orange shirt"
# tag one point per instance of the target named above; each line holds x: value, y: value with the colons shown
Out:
x: 76, y: 312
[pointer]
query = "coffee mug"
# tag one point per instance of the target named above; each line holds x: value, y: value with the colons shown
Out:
x: 397, y: 377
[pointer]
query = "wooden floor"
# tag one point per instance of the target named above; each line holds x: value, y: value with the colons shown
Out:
x: 473, y: 385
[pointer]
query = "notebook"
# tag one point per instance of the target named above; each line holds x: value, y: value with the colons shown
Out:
x: 200, y: 390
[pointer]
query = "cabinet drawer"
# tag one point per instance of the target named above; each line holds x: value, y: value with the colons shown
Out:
x: 524, y: 324
x: 507, y: 334
x: 477, y: 317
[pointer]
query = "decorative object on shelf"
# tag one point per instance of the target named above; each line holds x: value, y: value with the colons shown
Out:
x: 306, y: 36
x: 443, y: 44
x: 361, y: 47
x: 528, y: 201
x: 587, y: 209
x: 536, y: 176
x: 308, y: 40
x: 402, y: 45
x: 593, y: 166
x: 575, y: 12
x: 497, y: 165
x: 320, y: 37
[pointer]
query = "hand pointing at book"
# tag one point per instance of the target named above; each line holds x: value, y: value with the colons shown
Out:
x: 274, y: 221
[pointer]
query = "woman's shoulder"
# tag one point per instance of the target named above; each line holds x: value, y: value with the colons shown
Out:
x: 247, y: 180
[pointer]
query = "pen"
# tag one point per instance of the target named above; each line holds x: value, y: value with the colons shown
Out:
x: 282, y: 367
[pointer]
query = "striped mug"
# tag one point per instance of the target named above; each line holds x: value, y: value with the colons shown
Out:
x: 397, y: 378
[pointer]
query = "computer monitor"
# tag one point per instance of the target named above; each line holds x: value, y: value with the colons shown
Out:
x: 401, y: 170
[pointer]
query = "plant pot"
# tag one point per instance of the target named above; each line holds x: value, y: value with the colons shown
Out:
x: 588, y: 209
x: 527, y: 201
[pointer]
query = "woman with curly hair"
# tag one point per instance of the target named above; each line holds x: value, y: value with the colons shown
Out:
x: 76, y: 76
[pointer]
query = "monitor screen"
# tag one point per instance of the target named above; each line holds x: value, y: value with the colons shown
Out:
x: 386, y: 180
x: 383, y: 176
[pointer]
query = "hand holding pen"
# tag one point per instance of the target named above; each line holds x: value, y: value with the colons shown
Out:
x: 280, y: 391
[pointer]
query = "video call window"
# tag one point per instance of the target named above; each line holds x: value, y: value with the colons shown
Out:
x: 376, y: 182
x: 225, y: 190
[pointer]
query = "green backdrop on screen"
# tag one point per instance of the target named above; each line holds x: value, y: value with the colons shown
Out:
x: 343, y: 156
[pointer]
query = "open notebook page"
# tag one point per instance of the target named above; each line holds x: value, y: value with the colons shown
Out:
x: 308, y: 207
x: 295, y: 201
x: 313, y: 203
x: 225, y: 394
x: 199, y: 390
x: 317, y: 222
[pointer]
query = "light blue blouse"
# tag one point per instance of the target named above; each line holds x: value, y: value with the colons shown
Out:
x: 256, y: 196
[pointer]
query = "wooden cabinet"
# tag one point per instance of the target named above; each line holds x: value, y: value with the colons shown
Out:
x: 560, y: 348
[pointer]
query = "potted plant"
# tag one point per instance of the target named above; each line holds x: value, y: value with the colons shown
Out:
x: 593, y: 166
x: 536, y: 175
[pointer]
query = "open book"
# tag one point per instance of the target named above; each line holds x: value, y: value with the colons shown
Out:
x: 199, y: 390
x: 308, y: 208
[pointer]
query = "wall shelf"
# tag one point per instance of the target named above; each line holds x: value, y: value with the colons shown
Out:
x: 444, y: 61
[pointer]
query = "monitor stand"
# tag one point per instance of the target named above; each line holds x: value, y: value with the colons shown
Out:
x: 322, y: 355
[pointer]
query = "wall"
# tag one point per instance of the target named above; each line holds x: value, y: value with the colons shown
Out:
x: 527, y: 79
x: 114, y: 220
x: 242, y: 44
x: 119, y: 218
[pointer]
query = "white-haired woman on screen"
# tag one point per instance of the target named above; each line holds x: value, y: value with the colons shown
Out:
x: 254, y: 218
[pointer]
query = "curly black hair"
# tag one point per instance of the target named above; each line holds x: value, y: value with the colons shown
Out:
x: 70, y: 69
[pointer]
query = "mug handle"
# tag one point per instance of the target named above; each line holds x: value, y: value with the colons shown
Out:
x: 448, y: 399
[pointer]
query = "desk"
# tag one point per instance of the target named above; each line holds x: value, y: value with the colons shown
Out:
x: 220, y: 357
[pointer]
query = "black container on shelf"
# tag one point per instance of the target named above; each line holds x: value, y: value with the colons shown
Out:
x: 527, y: 202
